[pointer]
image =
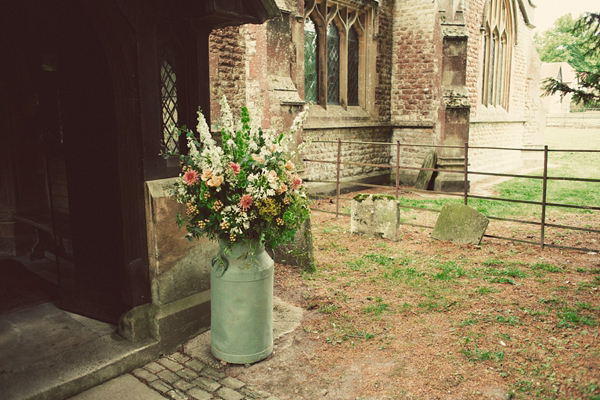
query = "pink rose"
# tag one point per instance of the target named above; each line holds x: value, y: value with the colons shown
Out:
x: 235, y: 167
x: 296, y: 183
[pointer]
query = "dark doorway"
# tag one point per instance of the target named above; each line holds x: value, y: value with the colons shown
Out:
x: 65, y: 165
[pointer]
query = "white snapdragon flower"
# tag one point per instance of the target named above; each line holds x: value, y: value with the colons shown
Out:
x: 204, y: 131
x: 226, y: 116
x: 255, y: 122
x: 231, y: 144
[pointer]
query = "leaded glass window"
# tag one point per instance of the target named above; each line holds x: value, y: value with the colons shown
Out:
x: 352, y: 67
x: 333, y: 65
x: 497, y: 51
x: 170, y: 116
x: 310, y: 62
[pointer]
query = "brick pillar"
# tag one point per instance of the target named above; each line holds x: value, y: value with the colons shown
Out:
x: 455, y: 112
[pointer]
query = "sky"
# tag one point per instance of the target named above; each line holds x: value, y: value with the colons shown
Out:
x: 548, y: 11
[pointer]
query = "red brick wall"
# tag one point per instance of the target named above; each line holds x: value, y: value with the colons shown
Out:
x: 227, y: 68
x: 415, y: 90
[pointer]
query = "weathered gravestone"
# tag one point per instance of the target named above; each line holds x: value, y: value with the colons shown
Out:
x: 299, y: 252
x: 424, y: 177
x: 460, y: 224
x: 375, y: 215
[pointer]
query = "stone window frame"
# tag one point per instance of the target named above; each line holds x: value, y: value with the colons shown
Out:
x: 345, y: 15
x: 499, y: 38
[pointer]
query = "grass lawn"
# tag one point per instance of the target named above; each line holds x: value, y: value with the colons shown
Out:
x: 424, y: 319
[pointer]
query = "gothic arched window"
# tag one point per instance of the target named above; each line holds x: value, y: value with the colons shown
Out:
x: 310, y: 62
x: 498, y: 42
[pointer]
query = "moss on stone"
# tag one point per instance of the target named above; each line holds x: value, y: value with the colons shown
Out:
x: 362, y: 197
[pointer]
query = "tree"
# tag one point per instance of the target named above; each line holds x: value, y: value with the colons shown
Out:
x: 553, y: 44
x: 584, y: 56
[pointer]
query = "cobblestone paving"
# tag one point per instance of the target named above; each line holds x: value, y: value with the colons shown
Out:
x: 181, y: 377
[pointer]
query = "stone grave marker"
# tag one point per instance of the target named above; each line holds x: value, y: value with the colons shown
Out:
x: 424, y: 177
x: 375, y: 215
x: 460, y: 224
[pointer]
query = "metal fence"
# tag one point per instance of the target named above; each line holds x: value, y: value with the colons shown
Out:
x: 588, y: 118
x: 465, y: 172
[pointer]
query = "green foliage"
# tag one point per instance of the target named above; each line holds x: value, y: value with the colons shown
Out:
x: 328, y: 308
x: 578, y: 43
x: 482, y: 355
x: 570, y: 317
x: 378, y: 308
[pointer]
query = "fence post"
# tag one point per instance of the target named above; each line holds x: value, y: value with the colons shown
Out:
x: 397, y: 167
x: 544, y: 191
x: 337, y: 181
x: 466, y: 173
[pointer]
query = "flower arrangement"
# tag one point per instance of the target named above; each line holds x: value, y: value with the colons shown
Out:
x: 243, y: 188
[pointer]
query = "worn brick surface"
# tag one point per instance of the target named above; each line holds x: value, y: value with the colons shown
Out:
x: 141, y: 373
x: 179, y: 357
x: 199, y: 394
x: 160, y: 386
x: 207, y: 384
x: 183, y: 385
x: 229, y: 394
x: 168, y: 376
x: 154, y: 367
x: 177, y: 395
x: 232, y: 383
x: 212, y: 374
x: 170, y: 364
x: 195, y: 365
x: 187, y: 374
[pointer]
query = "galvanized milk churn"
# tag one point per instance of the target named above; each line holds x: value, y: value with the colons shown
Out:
x: 241, y: 297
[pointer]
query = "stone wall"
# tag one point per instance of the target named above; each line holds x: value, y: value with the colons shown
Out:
x: 358, y: 153
x: 415, y: 93
x: 227, y: 68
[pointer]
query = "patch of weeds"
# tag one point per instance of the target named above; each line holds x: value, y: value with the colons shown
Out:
x: 510, y: 320
x: 547, y: 267
x: 524, y: 386
x: 380, y: 259
x: 512, y: 272
x: 362, y: 335
x: 587, y: 285
x: 482, y: 355
x: 428, y: 305
x: 584, y: 306
x: 356, y: 265
x: 378, y: 308
x: 408, y: 273
x: 493, y: 263
x: 485, y: 290
x: 328, y: 308
x: 334, y: 341
x: 505, y: 336
x: 553, y: 300
x: 450, y: 271
x: 497, y: 279
x: 468, y: 322
x: 571, y: 317
x: 535, y: 313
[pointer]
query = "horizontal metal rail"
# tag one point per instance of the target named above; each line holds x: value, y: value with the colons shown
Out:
x: 544, y: 178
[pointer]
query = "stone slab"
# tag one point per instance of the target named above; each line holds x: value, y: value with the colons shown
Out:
x: 460, y: 224
x: 375, y: 215
x: 300, y: 252
x: 424, y: 178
